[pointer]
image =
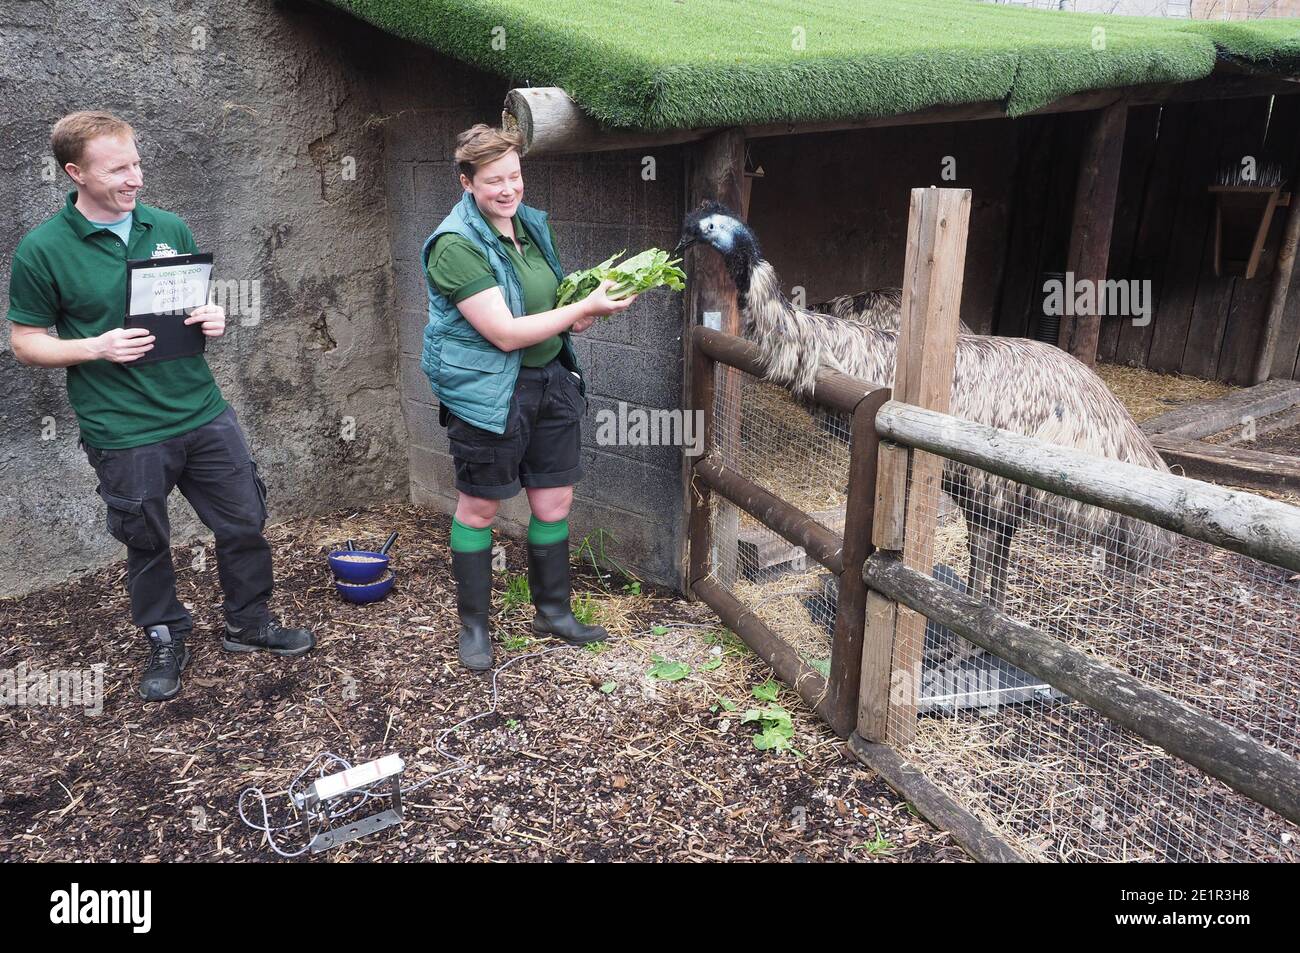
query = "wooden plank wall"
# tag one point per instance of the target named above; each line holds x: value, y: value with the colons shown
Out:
x: 1203, y: 325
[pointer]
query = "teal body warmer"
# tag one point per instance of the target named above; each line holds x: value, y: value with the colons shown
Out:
x: 471, y: 377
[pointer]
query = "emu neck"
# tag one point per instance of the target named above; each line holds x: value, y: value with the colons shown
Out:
x: 740, y: 264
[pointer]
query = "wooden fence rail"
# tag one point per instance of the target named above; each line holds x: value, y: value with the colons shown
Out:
x: 1248, y: 524
x: 1245, y: 523
x: 834, y: 698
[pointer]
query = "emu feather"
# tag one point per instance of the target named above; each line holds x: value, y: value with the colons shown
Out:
x: 881, y: 308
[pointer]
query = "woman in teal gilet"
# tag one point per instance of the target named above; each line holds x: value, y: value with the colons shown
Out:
x: 509, y: 389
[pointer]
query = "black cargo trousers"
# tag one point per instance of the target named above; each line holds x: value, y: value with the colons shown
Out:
x: 215, y: 472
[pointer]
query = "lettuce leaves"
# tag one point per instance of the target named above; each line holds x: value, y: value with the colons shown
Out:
x: 652, y: 268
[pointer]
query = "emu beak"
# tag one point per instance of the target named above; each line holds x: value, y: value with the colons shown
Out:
x: 682, y: 245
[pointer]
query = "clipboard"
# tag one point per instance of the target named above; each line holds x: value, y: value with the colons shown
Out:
x: 160, y: 293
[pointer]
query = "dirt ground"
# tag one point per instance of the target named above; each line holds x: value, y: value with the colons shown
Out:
x: 586, y: 758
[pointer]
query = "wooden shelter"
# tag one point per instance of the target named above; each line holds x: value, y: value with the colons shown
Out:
x: 1106, y: 184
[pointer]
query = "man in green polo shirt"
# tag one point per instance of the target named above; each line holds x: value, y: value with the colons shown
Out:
x: 145, y: 428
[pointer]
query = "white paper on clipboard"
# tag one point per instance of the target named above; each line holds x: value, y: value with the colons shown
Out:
x: 169, y: 289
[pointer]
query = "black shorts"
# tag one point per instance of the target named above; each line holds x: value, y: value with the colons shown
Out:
x: 542, y: 443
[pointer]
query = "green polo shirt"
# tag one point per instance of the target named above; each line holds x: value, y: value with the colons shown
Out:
x: 459, y: 269
x: 71, y: 275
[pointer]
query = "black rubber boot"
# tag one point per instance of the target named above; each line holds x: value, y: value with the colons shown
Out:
x: 548, y: 579
x: 271, y: 637
x: 168, y: 656
x: 473, y: 572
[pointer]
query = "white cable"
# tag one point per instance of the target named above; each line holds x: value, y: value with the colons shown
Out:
x: 337, y: 763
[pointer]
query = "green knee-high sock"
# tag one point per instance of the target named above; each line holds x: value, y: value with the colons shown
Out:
x: 467, y: 539
x: 541, y: 533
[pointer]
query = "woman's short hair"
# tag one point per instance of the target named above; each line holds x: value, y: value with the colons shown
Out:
x: 481, y: 144
x: 71, y: 133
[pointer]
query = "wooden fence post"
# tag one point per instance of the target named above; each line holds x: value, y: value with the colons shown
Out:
x: 717, y: 172
x: 927, y: 349
x: 1094, y: 218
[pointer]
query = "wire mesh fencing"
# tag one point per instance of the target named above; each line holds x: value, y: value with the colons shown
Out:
x: 1211, y: 628
x: 800, y: 454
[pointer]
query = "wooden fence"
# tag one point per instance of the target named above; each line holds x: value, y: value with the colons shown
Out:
x: 1253, y: 526
x: 882, y: 562
x: 834, y: 698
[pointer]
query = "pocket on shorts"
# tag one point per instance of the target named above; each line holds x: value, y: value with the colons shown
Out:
x: 579, y: 400
x: 466, y: 452
x: 126, y: 521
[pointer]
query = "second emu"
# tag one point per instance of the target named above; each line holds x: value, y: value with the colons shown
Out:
x: 1015, y: 384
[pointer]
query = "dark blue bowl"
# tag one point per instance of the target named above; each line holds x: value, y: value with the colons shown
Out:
x: 369, y: 592
x: 363, y: 567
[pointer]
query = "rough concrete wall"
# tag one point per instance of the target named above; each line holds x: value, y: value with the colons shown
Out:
x: 598, y: 204
x: 246, y: 112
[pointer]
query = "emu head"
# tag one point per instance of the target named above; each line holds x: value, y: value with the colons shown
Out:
x: 715, y: 224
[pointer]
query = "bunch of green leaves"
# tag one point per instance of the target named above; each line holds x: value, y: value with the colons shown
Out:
x: 652, y: 268
x: 776, y: 729
x: 668, y: 671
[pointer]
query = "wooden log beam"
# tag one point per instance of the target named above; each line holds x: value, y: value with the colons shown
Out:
x: 970, y: 833
x: 1282, y: 271
x: 1094, y: 216
x: 830, y: 388
x: 553, y: 124
x: 851, y: 599
x: 927, y: 351
x: 1283, y: 421
x: 1256, y: 770
x: 717, y: 171
x: 756, y: 633
x: 787, y: 521
x: 1233, y: 465
x: 1203, y: 418
x: 1242, y: 522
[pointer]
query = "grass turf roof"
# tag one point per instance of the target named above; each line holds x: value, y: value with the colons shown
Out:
x: 664, y: 64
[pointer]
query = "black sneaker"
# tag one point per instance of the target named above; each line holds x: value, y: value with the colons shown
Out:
x: 168, y: 656
x: 269, y: 637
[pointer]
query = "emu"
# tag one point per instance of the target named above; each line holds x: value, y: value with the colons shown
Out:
x: 1015, y: 384
x: 880, y: 308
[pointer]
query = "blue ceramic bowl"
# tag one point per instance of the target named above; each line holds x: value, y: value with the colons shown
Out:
x: 358, y: 565
x: 368, y: 592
